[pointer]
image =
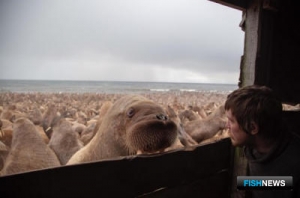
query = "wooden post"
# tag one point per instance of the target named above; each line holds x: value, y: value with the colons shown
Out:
x: 251, y: 45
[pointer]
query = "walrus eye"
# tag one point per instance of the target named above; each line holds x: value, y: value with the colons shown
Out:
x: 130, y: 112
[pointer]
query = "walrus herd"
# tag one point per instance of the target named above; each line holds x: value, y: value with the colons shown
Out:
x: 43, y: 130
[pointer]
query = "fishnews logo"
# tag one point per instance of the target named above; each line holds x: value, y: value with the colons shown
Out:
x: 264, y: 182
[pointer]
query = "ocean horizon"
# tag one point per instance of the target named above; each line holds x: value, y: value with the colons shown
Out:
x: 116, y: 87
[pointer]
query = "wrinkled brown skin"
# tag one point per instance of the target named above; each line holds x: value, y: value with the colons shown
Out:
x: 188, y: 115
x: 48, y: 118
x: 28, y: 150
x: 35, y: 116
x: 185, y: 139
x: 64, y: 141
x: 11, y: 113
x: 199, y: 110
x: 7, y: 114
x: 6, y: 124
x: 88, y: 134
x: 6, y: 132
x: 218, y: 112
x: 103, y: 110
x: 42, y: 133
x: 201, y: 130
x: 132, y: 124
x: 3, y: 154
x: 78, y: 127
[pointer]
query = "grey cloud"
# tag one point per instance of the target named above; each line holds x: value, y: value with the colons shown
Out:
x: 191, y: 35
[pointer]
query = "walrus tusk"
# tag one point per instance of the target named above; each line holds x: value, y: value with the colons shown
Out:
x: 48, y: 129
x: 2, y: 134
x: 140, y: 152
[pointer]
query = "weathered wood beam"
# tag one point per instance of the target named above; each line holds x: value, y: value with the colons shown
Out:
x: 237, y: 4
x: 252, y: 43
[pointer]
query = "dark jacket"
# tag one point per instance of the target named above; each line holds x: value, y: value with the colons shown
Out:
x: 282, y: 160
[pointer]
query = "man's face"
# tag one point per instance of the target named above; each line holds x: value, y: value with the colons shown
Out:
x: 237, y: 135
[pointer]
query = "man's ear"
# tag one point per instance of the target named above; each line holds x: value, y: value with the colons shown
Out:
x: 254, y: 128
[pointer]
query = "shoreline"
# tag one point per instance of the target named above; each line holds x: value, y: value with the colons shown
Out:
x: 113, y: 87
x: 184, y: 99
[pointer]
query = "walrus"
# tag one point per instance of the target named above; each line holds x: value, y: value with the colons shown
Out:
x: 133, y: 124
x: 103, y: 110
x: 88, y: 133
x: 81, y: 118
x: 210, y: 107
x: 78, y: 127
x: 1, y: 132
x: 216, y: 138
x: 28, y: 150
x: 200, y: 110
x: 188, y: 115
x: 218, y: 112
x: 36, y: 116
x: 204, y: 129
x: 64, y: 141
x: 12, y: 115
x: 91, y: 130
x: 42, y: 133
x: 48, y: 117
x: 6, y: 132
x: 8, y: 112
x: 3, y: 154
x: 184, y: 138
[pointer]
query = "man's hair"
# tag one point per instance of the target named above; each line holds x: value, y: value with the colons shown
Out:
x: 256, y: 104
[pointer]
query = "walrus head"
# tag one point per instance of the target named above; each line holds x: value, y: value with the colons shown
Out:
x: 148, y: 128
x: 132, y: 125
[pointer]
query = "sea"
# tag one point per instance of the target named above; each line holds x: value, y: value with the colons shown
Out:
x: 109, y: 87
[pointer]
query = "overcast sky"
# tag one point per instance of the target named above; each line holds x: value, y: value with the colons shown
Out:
x: 124, y: 40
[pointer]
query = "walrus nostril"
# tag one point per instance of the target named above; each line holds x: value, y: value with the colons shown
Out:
x: 161, y: 117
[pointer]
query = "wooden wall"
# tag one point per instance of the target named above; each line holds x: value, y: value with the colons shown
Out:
x: 272, y: 45
x: 204, y: 171
x: 278, y: 58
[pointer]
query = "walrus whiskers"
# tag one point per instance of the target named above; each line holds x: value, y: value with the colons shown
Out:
x: 132, y: 123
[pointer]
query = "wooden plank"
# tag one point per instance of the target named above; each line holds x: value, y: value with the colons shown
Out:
x: 251, y: 46
x: 236, y: 4
x: 214, y: 186
x: 129, y: 176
